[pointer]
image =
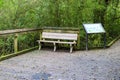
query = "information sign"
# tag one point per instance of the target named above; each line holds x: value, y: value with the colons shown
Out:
x: 94, y: 28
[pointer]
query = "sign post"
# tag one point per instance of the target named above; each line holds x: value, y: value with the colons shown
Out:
x: 95, y: 28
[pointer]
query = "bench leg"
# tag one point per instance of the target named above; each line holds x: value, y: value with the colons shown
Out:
x: 54, y: 46
x: 39, y: 45
x: 71, y: 48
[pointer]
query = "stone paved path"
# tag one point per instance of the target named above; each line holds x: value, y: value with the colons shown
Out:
x: 48, y: 65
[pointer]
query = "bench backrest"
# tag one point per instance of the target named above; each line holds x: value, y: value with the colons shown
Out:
x: 59, y: 36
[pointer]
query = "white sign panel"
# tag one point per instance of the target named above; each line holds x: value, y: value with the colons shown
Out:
x: 94, y: 28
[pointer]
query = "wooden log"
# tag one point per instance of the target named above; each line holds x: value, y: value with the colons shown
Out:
x: 16, y: 43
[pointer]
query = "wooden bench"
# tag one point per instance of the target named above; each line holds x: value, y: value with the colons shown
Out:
x: 58, y: 38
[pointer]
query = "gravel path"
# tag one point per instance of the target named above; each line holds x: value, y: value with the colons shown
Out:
x: 61, y: 65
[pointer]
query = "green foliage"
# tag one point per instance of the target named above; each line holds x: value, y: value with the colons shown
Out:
x: 112, y: 19
x: 26, y: 41
x: 6, y: 45
x: 16, y: 14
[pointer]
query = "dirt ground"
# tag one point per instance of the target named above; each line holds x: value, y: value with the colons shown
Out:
x: 102, y: 64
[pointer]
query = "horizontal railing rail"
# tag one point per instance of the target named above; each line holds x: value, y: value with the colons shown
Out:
x: 63, y: 28
x: 5, y: 32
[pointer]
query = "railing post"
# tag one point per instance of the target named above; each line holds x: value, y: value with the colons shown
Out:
x: 16, y: 43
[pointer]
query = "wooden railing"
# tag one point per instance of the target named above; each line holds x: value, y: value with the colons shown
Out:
x: 17, y: 41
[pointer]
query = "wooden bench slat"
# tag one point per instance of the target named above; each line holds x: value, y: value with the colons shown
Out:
x: 64, y: 36
x: 46, y: 41
x: 66, y: 42
x: 62, y: 42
